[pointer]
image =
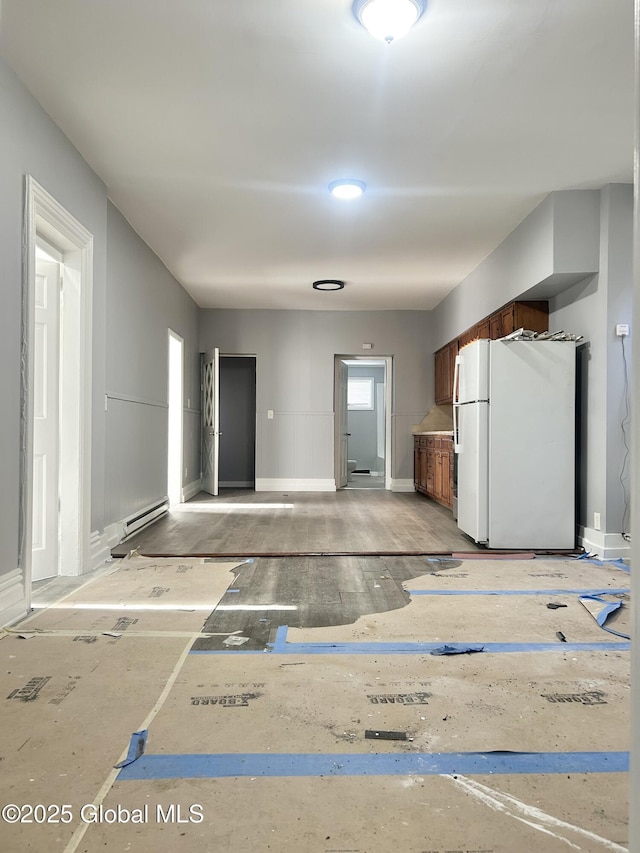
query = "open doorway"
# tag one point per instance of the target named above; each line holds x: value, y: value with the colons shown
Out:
x: 237, y: 465
x: 363, y: 422
x: 228, y: 421
x: 175, y: 399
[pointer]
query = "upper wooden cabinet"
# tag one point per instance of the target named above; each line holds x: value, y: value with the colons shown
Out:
x: 515, y: 315
x: 445, y: 362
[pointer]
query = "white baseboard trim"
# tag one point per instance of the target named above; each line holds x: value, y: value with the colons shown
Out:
x: 100, y: 544
x: 14, y: 603
x: 608, y: 546
x: 283, y: 485
x: 191, y: 490
x: 398, y: 485
x: 236, y: 484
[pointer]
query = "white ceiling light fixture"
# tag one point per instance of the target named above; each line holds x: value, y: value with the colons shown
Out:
x: 388, y: 20
x: 347, y: 188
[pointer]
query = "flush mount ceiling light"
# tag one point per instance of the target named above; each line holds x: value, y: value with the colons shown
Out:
x: 347, y: 188
x: 388, y: 20
x: 328, y: 284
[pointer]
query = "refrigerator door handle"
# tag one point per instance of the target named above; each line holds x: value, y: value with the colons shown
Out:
x: 456, y: 403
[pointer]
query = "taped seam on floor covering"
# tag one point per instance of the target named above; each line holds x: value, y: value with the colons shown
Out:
x: 211, y: 766
x: 516, y: 591
x: 282, y: 647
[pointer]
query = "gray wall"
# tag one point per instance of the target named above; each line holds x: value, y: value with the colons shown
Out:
x: 143, y: 302
x: 555, y: 246
x: 133, y: 304
x: 592, y: 308
x: 363, y: 425
x: 31, y: 144
x: 295, y: 366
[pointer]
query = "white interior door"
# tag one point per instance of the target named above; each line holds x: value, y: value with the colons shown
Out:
x: 342, y: 423
x: 211, y: 420
x: 46, y: 421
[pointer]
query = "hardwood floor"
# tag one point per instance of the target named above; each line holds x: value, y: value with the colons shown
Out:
x: 309, y: 592
x: 246, y: 523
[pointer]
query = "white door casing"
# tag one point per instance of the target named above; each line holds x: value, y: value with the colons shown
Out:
x: 211, y: 421
x: 342, y: 423
x: 45, y: 218
x: 46, y: 358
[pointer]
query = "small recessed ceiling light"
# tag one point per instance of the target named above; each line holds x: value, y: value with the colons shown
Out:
x: 388, y: 20
x: 347, y: 188
x: 328, y: 284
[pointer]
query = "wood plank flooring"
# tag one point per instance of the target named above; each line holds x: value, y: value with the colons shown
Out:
x: 318, y: 592
x: 246, y: 523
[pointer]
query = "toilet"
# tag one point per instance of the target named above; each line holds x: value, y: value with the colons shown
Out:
x: 352, y: 464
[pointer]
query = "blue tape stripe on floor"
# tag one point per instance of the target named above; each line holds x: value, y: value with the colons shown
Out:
x: 419, y: 648
x: 379, y: 764
x: 615, y: 564
x: 515, y: 591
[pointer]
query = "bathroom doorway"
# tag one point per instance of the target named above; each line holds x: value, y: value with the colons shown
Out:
x: 363, y: 422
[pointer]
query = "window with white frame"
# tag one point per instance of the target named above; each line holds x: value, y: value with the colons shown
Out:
x: 360, y: 393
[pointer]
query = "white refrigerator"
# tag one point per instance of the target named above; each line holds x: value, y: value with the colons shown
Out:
x: 514, y: 436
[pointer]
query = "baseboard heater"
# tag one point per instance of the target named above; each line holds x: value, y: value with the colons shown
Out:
x: 146, y: 516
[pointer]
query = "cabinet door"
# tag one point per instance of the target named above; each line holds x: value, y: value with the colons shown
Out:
x: 532, y: 315
x: 484, y: 329
x: 445, y: 494
x: 442, y: 371
x: 495, y: 327
x: 453, y: 352
x: 507, y: 320
x: 416, y: 464
x: 425, y: 474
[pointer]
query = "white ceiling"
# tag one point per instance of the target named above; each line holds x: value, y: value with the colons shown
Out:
x: 217, y: 125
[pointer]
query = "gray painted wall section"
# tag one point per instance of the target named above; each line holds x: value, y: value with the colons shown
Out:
x: 294, y: 376
x: 31, y: 144
x: 555, y: 244
x: 143, y: 302
x: 592, y: 308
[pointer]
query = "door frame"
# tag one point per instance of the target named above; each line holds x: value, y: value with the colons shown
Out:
x: 387, y: 360
x: 46, y: 218
x: 175, y: 421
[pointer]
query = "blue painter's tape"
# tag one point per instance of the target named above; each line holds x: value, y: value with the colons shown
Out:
x: 402, y: 648
x: 619, y: 563
x: 136, y: 748
x: 609, y: 608
x: 516, y: 591
x: 198, y: 766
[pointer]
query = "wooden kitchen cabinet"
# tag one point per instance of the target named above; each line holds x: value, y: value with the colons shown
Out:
x: 444, y: 362
x: 433, y: 467
x: 509, y: 318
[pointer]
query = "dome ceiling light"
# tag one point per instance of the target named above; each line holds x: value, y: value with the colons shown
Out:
x: 328, y: 284
x: 347, y: 188
x: 388, y: 20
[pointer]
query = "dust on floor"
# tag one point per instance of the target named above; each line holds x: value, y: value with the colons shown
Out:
x: 258, y: 743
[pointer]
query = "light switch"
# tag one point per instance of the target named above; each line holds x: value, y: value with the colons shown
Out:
x: 270, y: 414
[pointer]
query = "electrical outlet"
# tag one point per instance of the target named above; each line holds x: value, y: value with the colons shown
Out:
x: 185, y: 473
x: 270, y: 414
x: 596, y: 521
x: 622, y: 329
x: 367, y: 346
x: 188, y: 402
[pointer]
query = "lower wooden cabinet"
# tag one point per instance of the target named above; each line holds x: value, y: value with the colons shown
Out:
x: 433, y: 467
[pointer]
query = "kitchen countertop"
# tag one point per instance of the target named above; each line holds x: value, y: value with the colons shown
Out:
x: 435, y: 432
